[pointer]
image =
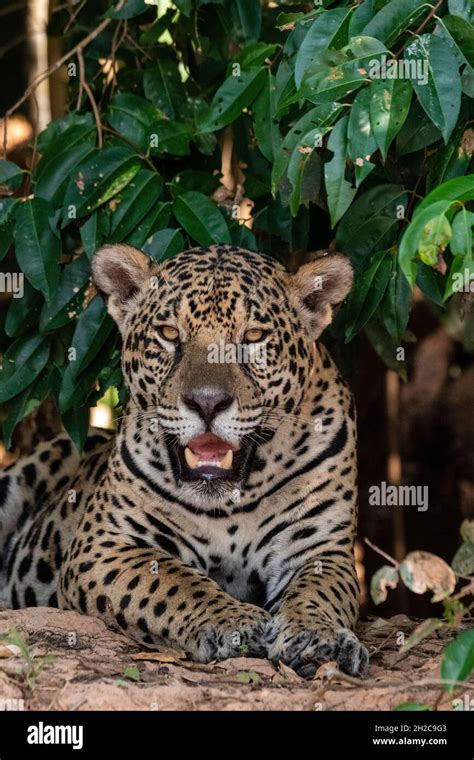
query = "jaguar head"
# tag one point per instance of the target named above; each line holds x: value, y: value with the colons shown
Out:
x: 217, y: 349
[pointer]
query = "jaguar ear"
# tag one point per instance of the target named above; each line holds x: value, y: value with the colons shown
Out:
x: 122, y: 275
x: 318, y: 287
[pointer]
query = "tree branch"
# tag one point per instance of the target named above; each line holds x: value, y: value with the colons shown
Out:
x: 51, y: 69
x: 84, y: 85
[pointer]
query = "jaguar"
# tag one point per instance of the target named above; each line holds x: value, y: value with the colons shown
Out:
x: 220, y: 517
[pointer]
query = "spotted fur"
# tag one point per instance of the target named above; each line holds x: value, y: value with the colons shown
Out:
x: 259, y: 563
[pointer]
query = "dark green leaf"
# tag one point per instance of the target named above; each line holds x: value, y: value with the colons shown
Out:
x: 461, y: 35
x: 130, y: 9
x: 458, y: 658
x: 389, y: 106
x: 80, y: 389
x: 417, y: 132
x: 461, y: 241
x: 97, y: 180
x: 163, y: 86
x: 194, y: 180
x: 361, y: 142
x: 304, y: 174
x: 439, y: 88
x: 23, y: 313
x: 135, y: 119
x: 395, y: 305
x: 7, y: 225
x: 467, y: 81
x: 369, y: 291
x: 201, y: 218
x: 462, y: 8
x: 339, y: 191
x: 59, y: 159
x: 133, y: 203
x: 76, y: 422
x: 68, y: 299
x: 266, y: 125
x: 453, y: 159
x: 156, y: 219
x: 171, y: 137
x: 458, y: 189
x: 328, y: 30
x: 235, y: 94
x: 22, y: 363
x: 38, y: 248
x: 7, y: 206
x: 371, y: 223
x: 10, y: 174
x: 247, y: 18
x: 361, y: 17
x: 431, y: 283
x: 164, y: 244
x: 92, y: 331
x: 394, y: 19
x: 91, y: 234
x: 333, y: 83
x: 317, y: 119
x: 253, y: 55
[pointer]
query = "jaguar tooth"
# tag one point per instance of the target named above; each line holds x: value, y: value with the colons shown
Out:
x: 191, y: 459
x: 226, y: 463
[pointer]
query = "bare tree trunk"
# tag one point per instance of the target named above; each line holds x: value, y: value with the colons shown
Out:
x: 37, y: 20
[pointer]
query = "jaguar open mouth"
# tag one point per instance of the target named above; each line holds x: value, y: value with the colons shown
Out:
x: 208, y: 457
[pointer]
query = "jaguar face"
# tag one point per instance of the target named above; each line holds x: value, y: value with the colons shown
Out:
x: 217, y: 349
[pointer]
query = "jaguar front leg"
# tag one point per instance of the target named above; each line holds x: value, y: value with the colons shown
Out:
x: 155, y: 599
x: 314, y: 616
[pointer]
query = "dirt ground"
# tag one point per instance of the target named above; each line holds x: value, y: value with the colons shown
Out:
x: 74, y: 662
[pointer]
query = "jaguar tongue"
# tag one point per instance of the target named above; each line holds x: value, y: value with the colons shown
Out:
x: 208, y: 449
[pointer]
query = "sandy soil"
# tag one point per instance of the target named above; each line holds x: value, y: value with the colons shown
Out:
x: 74, y: 662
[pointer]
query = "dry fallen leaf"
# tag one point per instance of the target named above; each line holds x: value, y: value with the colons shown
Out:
x: 9, y: 650
x: 326, y: 671
x: 423, y: 571
x: 386, y: 577
x: 168, y: 655
x: 288, y: 672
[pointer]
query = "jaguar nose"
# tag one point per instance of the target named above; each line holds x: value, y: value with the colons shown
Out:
x: 207, y: 405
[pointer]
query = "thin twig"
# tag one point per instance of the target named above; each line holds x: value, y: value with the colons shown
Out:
x: 74, y: 15
x: 138, y: 47
x: 375, y: 683
x: 51, y: 69
x: 413, y: 195
x: 90, y: 95
x: 469, y: 589
x: 417, y: 31
x: 128, y: 142
x: 35, y: 145
x: 385, y: 641
x: 429, y: 17
x: 382, y: 553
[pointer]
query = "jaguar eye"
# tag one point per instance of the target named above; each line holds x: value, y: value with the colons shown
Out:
x: 254, y: 336
x: 169, y: 333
